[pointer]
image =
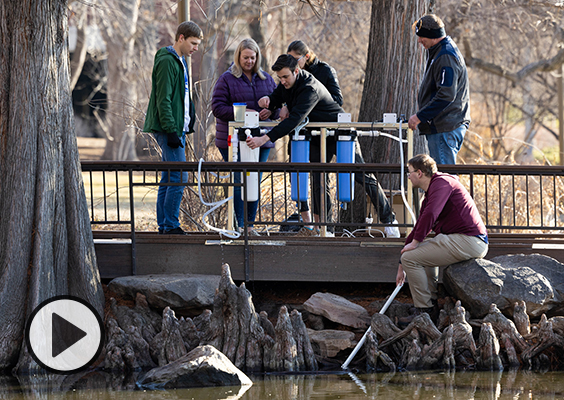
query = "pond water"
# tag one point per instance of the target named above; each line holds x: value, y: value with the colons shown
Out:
x: 397, y: 385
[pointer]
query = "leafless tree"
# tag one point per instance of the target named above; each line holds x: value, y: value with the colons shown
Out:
x: 513, y: 49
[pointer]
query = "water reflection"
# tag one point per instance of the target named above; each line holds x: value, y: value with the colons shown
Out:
x: 405, y: 385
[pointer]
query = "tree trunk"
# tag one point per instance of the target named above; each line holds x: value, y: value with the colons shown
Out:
x: 46, y: 246
x: 394, y: 69
x: 120, y: 35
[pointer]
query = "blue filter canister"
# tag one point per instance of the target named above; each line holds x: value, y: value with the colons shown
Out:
x: 299, y: 152
x: 346, y: 140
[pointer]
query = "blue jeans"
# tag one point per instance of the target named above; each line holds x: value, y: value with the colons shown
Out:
x: 444, y: 147
x: 237, y: 201
x: 169, y: 197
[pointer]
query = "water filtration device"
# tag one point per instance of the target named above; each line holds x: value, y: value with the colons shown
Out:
x: 249, y: 155
x: 346, y: 141
x: 299, y: 150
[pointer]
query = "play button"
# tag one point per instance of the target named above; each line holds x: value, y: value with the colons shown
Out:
x: 64, y: 334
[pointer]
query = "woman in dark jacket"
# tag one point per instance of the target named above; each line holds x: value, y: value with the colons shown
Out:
x: 327, y: 75
x: 243, y: 82
x: 323, y: 72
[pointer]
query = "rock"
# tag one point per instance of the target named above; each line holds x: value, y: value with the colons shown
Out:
x: 478, y: 283
x: 203, y: 366
x: 314, y: 321
x: 328, y: 343
x: 551, y: 269
x: 186, y: 294
x: 338, y: 309
x: 394, y: 311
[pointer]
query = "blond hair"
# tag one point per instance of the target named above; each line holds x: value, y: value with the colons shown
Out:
x: 236, y: 69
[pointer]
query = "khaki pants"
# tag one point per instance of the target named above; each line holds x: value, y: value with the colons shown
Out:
x: 421, y: 265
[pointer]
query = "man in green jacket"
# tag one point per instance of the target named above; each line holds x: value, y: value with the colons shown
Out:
x: 170, y: 116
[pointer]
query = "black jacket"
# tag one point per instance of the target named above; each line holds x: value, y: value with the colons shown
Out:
x: 444, y: 93
x: 307, y: 98
x: 327, y: 75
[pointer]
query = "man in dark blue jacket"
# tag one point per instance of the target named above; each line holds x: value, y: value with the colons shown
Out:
x: 444, y: 109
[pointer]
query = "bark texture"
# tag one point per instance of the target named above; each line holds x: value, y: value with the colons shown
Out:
x: 394, y: 69
x: 46, y: 246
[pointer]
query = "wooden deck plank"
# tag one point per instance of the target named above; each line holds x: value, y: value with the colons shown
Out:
x: 279, y: 258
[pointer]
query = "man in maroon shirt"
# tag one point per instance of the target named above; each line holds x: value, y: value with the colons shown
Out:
x: 451, y: 213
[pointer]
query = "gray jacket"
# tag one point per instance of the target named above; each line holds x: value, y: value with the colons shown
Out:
x: 444, y: 93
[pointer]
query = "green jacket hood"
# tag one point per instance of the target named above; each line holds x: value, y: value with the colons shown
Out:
x: 165, y: 112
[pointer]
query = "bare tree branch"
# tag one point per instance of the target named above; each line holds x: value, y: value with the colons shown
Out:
x: 547, y: 65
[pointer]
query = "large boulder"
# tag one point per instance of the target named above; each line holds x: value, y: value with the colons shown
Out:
x: 186, y: 294
x: 204, y: 366
x: 550, y: 268
x: 338, y: 309
x: 328, y: 343
x: 478, y: 283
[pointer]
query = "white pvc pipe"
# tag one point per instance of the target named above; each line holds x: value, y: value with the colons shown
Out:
x: 361, y: 342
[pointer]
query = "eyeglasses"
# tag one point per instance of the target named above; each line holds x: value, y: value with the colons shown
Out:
x: 409, y: 173
x: 298, y: 59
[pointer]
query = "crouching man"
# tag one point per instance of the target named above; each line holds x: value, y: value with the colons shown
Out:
x: 451, y: 213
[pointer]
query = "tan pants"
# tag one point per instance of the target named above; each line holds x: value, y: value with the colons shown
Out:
x: 421, y: 265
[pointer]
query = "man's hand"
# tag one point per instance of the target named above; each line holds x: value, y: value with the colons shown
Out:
x: 410, y: 246
x: 400, y: 277
x: 172, y: 140
x: 413, y: 122
x: 265, y: 113
x: 256, y: 142
x: 264, y: 102
x: 284, y: 113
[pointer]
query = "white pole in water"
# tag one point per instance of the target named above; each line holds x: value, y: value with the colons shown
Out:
x: 361, y: 342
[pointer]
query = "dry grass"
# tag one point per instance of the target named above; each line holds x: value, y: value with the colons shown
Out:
x: 520, y: 201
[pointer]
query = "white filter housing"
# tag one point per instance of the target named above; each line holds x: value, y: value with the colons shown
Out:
x: 250, y: 155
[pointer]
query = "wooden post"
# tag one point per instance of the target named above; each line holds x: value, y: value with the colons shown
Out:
x: 410, y: 197
x: 230, y: 224
x: 560, y: 84
x: 183, y: 11
x: 323, y: 159
x: 183, y: 15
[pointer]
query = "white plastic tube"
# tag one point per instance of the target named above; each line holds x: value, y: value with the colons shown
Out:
x: 361, y: 342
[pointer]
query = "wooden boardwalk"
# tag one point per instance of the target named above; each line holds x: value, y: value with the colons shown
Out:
x: 281, y: 258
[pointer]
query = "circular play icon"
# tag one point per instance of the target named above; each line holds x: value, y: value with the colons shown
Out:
x: 64, y: 334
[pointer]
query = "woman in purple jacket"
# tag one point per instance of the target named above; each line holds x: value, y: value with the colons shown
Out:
x: 243, y: 82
